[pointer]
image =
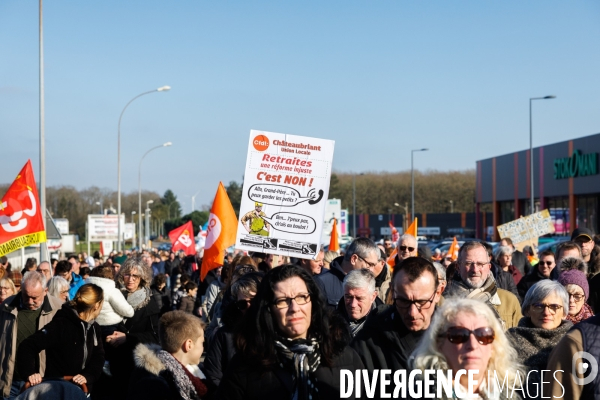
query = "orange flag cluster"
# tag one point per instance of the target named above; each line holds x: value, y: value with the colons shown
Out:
x: 453, y: 250
x: 221, y: 232
x: 334, y: 242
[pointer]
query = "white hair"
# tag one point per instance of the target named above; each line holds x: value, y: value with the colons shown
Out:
x: 360, y: 279
x: 32, y: 278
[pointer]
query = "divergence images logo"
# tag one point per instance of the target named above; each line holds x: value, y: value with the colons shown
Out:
x: 261, y: 142
x: 587, y: 366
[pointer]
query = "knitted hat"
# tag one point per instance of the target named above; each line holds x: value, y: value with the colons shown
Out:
x: 575, y: 277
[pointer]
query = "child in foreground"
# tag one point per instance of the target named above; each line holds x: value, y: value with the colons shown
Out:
x: 170, y: 371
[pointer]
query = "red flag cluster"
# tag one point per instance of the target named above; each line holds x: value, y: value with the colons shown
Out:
x: 21, y: 217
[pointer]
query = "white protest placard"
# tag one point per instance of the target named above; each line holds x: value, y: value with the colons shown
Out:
x: 286, y: 186
x: 525, y: 231
x: 104, y: 227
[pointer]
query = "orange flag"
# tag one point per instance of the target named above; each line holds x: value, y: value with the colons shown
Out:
x: 412, y: 229
x: 334, y: 244
x: 391, y: 261
x: 221, y: 232
x: 453, y: 250
x: 21, y: 218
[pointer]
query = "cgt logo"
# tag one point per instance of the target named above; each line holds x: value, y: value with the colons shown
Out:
x: 261, y: 142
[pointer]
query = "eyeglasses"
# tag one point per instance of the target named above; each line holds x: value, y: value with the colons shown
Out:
x: 244, y: 268
x: 404, y: 248
x: 576, y: 296
x: 285, y: 302
x: 243, y: 305
x: 65, y: 291
x: 131, y: 276
x: 420, y: 304
x: 370, y: 264
x: 540, y: 307
x: 548, y: 263
x: 458, y: 335
x: 6, y: 289
x: 477, y: 264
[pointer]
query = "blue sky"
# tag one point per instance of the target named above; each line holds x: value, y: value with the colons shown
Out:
x: 378, y: 77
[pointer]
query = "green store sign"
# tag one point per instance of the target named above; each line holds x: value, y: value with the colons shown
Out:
x: 576, y: 165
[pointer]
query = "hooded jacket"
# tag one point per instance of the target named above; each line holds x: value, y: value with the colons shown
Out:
x: 8, y: 336
x: 115, y: 306
x: 330, y: 282
x: 73, y: 346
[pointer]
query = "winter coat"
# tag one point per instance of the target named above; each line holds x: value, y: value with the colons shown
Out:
x: 162, y: 298
x: 151, y: 380
x: 115, y: 306
x: 72, y: 347
x: 76, y: 282
x: 385, y: 342
x: 528, y: 281
x: 8, y: 336
x: 505, y: 280
x: 213, y: 290
x: 330, y: 281
x: 534, y: 346
x: 243, y: 381
x: 187, y: 304
x: 219, y: 354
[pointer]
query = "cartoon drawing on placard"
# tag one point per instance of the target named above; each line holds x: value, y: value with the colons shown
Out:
x: 254, y: 223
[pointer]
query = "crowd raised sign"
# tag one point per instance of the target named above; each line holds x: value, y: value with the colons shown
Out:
x: 286, y: 186
x: 525, y: 231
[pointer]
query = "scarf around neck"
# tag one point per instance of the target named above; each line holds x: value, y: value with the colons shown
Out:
x: 188, y: 386
x: 139, y: 298
x: 585, y: 313
x: 302, y: 357
x: 486, y: 293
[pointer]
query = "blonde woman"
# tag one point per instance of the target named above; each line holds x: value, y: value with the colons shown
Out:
x: 466, y: 335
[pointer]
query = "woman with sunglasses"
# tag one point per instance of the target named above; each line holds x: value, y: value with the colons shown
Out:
x: 290, y: 347
x: 544, y: 324
x: 576, y: 284
x: 465, y: 334
x: 222, y: 348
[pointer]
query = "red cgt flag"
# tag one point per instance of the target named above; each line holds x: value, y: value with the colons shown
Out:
x: 21, y: 219
x: 395, y: 234
x: 183, y: 239
x: 221, y: 232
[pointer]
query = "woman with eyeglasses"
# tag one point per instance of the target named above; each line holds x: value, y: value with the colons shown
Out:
x: 59, y: 288
x: 465, y: 334
x: 544, y: 324
x: 289, y: 346
x: 576, y: 284
x: 134, y: 278
x: 222, y: 347
x: 7, y: 288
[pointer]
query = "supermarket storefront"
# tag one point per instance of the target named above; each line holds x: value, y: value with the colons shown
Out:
x: 566, y: 182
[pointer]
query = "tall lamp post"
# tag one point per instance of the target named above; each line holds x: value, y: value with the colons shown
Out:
x: 147, y: 213
x: 160, y: 89
x: 101, y: 208
x: 405, y: 222
x: 412, y: 178
x: 531, y: 147
x: 167, y: 144
x: 354, y: 203
x: 133, y: 239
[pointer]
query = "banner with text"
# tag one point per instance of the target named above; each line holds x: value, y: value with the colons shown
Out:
x: 525, y: 231
x: 286, y: 186
x: 104, y: 227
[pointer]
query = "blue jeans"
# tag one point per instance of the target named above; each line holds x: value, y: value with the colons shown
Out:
x: 15, y: 389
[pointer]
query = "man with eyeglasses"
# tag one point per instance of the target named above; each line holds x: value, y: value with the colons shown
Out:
x: 475, y: 281
x: 392, y: 332
x: 21, y: 316
x: 591, y: 255
x: 45, y: 269
x: 362, y: 253
x: 543, y: 270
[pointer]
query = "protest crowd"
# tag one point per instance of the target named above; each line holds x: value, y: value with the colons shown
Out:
x: 143, y: 325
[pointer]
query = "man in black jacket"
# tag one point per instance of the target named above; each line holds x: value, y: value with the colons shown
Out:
x: 542, y: 270
x: 362, y: 253
x: 392, y: 332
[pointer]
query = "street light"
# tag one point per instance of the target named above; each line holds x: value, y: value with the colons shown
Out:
x: 354, y: 203
x: 412, y: 178
x: 531, y: 146
x: 147, y: 212
x: 167, y: 144
x: 451, y: 206
x: 133, y: 239
x: 101, y: 208
x: 405, y: 222
x: 160, y: 89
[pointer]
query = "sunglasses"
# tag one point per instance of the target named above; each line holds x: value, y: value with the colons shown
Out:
x: 404, y: 248
x: 459, y: 335
x: 548, y: 263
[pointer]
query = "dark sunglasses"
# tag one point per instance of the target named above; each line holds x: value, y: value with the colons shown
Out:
x: 548, y: 263
x: 458, y: 335
x: 410, y: 249
x: 242, y: 305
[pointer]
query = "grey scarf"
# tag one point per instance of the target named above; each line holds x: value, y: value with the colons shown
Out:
x: 303, y: 358
x: 486, y: 293
x: 140, y: 298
